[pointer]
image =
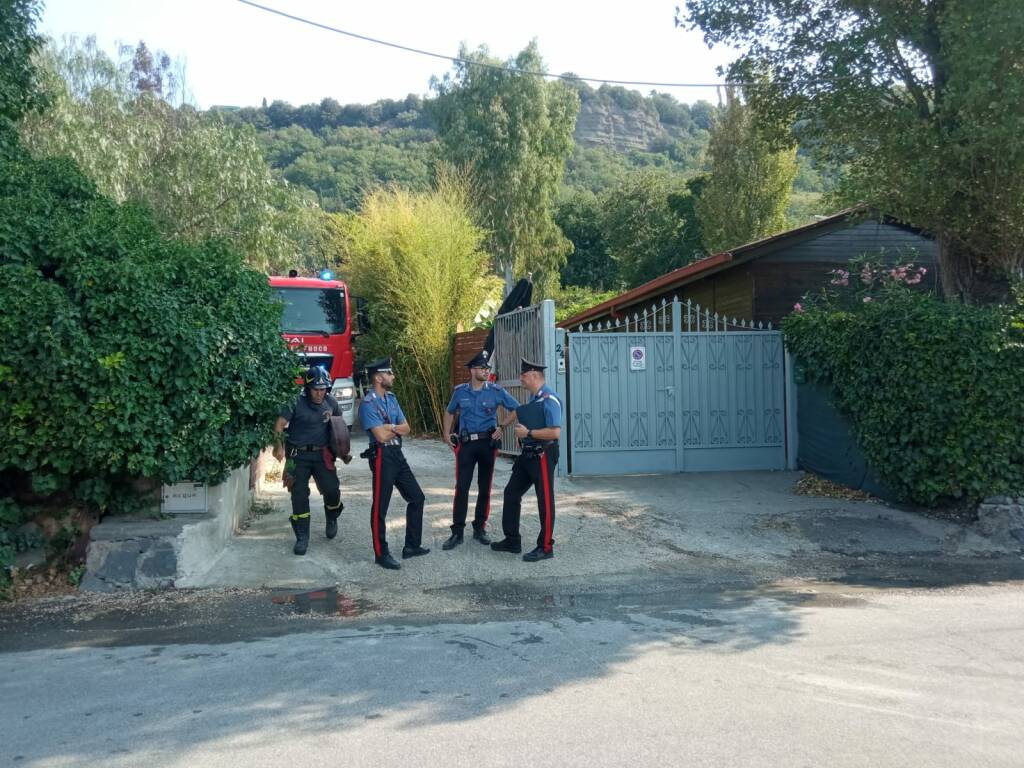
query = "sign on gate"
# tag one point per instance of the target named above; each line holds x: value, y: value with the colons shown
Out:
x: 699, y: 394
x: 638, y: 358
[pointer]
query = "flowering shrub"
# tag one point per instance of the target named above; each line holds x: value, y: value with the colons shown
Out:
x: 934, y: 390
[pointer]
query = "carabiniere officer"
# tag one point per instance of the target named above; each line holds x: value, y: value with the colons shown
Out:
x: 382, y: 418
x: 535, y: 466
x: 475, y: 445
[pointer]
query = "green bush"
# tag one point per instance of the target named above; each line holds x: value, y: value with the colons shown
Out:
x: 126, y: 355
x: 933, y: 389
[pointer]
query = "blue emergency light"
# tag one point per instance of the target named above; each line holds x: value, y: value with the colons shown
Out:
x: 327, y: 275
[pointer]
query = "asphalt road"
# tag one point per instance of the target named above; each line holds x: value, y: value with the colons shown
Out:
x: 649, y: 669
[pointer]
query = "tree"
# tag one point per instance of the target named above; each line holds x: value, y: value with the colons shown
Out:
x: 749, y: 181
x: 418, y: 259
x: 644, y: 235
x: 589, y: 265
x: 18, y: 73
x: 921, y: 104
x: 128, y: 355
x: 514, y: 132
x: 200, y: 177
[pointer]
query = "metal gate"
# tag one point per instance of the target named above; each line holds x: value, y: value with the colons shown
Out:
x: 528, y: 332
x: 676, y: 390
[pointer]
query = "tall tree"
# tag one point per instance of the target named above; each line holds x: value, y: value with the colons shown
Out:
x: 200, y: 177
x: 920, y: 101
x: 514, y: 131
x: 590, y: 265
x: 644, y: 233
x: 749, y: 180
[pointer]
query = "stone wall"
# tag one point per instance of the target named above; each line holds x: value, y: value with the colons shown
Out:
x: 159, y: 554
x: 1001, y: 519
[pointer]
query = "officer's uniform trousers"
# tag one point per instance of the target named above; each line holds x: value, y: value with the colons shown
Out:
x: 534, y: 466
x: 390, y: 470
x: 313, y: 462
x: 482, y: 454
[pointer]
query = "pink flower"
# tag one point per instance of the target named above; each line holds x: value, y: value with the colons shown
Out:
x: 868, y: 299
x: 798, y: 307
x: 922, y: 271
x: 866, y: 274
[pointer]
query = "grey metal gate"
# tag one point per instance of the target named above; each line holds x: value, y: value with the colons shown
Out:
x: 675, y: 389
x: 528, y: 332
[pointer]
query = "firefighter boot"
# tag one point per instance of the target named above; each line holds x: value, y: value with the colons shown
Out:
x: 332, y: 519
x: 301, y: 527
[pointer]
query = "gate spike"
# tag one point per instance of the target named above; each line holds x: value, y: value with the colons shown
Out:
x: 664, y: 302
x: 759, y: 325
x: 769, y: 325
x: 590, y: 327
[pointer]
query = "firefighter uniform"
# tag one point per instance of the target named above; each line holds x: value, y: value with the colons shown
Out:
x: 475, y: 448
x: 535, y: 467
x: 390, y: 470
x: 307, y: 454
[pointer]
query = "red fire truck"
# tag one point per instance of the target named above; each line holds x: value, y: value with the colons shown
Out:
x: 318, y: 325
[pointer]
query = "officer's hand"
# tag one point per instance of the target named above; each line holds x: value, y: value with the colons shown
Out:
x: 453, y: 440
x: 496, y: 434
x: 521, y: 430
x: 347, y: 458
x: 279, y: 452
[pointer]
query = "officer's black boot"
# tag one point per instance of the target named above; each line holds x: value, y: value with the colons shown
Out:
x: 301, y: 528
x: 481, y: 535
x: 454, y: 540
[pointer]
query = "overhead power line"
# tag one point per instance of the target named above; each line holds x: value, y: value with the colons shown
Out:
x: 469, y: 63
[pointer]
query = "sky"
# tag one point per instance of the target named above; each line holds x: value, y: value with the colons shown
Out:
x: 238, y: 55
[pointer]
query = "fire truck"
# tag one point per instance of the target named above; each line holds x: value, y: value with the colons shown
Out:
x: 318, y: 324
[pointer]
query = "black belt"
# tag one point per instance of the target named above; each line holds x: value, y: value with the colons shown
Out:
x: 536, y: 449
x: 467, y: 437
x: 305, y: 448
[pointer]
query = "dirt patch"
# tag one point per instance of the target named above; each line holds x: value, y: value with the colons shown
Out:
x: 813, y: 485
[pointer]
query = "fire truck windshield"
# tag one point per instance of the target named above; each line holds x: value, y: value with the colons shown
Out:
x: 313, y: 310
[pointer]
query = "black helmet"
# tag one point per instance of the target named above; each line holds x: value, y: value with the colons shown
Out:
x: 316, y: 377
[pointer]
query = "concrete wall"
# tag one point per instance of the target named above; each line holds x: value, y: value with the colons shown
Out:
x: 159, y: 554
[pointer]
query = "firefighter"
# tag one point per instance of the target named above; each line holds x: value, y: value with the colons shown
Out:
x: 475, y: 444
x: 382, y: 418
x: 535, y: 466
x: 302, y: 442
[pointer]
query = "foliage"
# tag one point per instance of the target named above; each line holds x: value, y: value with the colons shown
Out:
x: 642, y: 226
x: 932, y: 389
x: 418, y: 259
x: 921, y: 105
x: 573, y: 299
x: 514, y: 132
x: 18, y: 74
x: 200, y: 177
x: 748, y: 184
x: 578, y: 215
x: 128, y: 355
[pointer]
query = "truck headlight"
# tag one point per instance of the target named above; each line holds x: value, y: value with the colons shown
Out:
x: 345, y: 392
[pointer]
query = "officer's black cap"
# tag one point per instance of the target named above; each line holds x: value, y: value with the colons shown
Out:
x: 480, y: 360
x: 526, y: 366
x: 379, y: 366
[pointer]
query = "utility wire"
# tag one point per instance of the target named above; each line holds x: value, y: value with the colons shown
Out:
x: 468, y: 63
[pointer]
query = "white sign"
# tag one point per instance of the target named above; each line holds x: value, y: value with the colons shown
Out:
x: 638, y: 358
x: 188, y: 498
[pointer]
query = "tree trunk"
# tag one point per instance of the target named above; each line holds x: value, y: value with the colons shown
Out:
x: 965, y: 277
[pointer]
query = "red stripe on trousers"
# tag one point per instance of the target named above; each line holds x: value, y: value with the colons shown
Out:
x: 490, y: 488
x: 455, y: 497
x: 376, y: 503
x: 547, y: 501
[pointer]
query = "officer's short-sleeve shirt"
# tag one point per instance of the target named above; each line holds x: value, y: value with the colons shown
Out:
x: 308, y: 423
x: 375, y: 411
x: 478, y: 409
x: 552, y: 406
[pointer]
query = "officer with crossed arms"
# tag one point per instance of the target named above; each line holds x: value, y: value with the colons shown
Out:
x: 382, y: 418
x: 475, y: 445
